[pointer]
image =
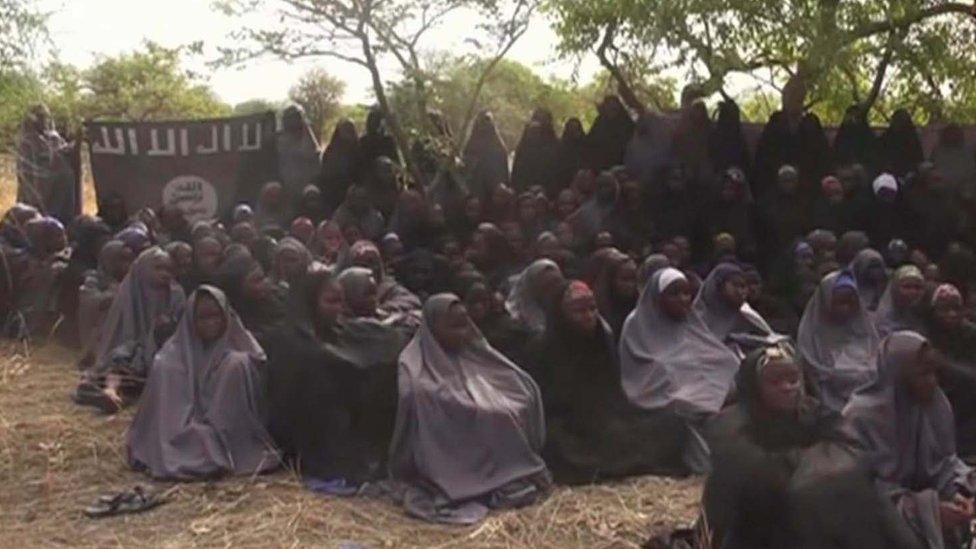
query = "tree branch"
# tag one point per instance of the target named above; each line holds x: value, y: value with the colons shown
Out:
x: 623, y: 86
x: 903, y: 23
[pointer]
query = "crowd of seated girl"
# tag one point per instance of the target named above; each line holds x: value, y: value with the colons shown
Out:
x: 461, y: 348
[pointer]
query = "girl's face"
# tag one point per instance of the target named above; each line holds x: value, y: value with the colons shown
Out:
x: 565, y: 204
x: 478, y: 302
x: 453, y: 328
x: 328, y: 305
x: 290, y: 264
x: 908, y: 292
x: 920, y: 375
x: 734, y: 291
x: 546, y: 283
x: 579, y: 309
x: 209, y: 319
x: 844, y: 304
x: 780, y: 385
x: 363, y: 305
x: 675, y: 300
x: 564, y: 232
x: 207, y: 254
x: 754, y: 286
x: 255, y: 286
x: 804, y: 258
x: 331, y: 237
x: 120, y: 264
x: 161, y: 275
x: 182, y: 260
x: 625, y: 280
x: 948, y: 313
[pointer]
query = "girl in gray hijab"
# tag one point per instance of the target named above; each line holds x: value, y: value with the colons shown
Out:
x: 527, y: 298
x: 900, y: 306
x: 868, y: 267
x: 721, y: 304
x: 836, y: 340
x: 142, y: 315
x: 904, y: 422
x: 98, y: 290
x: 670, y: 361
x: 470, y: 424
x: 201, y: 414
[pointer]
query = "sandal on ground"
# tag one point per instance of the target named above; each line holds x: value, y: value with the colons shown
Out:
x: 123, y: 503
x: 88, y: 394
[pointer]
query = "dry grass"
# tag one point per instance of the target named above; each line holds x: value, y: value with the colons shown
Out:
x: 55, y: 458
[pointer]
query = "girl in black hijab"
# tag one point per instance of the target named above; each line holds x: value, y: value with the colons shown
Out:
x: 691, y: 144
x: 250, y: 293
x: 485, y: 156
x: 593, y: 432
x: 340, y: 165
x: 779, y: 145
x: 814, y: 162
x: 901, y: 148
x: 609, y: 135
x: 536, y: 155
x: 376, y: 142
x: 726, y: 144
x: 855, y: 142
x: 569, y: 159
x: 733, y: 212
x: 615, y: 287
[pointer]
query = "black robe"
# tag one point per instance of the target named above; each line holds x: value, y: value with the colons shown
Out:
x: 901, y: 148
x: 609, y: 135
x: 485, y: 157
x: 593, y: 432
x: 536, y: 156
x: 340, y: 166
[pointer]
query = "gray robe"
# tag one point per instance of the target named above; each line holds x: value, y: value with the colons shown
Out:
x: 722, y: 319
x: 201, y: 413
x: 911, y: 447
x: 836, y: 357
x: 469, y: 430
x: 127, y: 336
x: 680, y: 366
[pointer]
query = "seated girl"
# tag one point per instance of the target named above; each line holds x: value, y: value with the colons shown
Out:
x: 836, y: 340
x: 904, y: 422
x: 38, y: 290
x: 785, y: 472
x: 954, y: 336
x: 721, y: 304
x: 391, y: 296
x: 670, y: 362
x: 593, y: 432
x: 469, y: 425
x: 251, y: 294
x: 98, y: 291
x: 142, y: 316
x: 530, y: 291
x: 900, y: 305
x: 200, y: 415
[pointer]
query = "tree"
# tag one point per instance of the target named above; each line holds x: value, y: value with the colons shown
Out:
x: 319, y: 93
x: 144, y: 85
x: 23, y: 27
x: 802, y: 47
x: 367, y: 33
x: 255, y: 106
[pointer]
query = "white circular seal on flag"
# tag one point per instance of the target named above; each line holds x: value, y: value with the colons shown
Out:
x: 192, y: 194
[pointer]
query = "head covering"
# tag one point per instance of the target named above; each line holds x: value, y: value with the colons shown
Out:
x: 910, y: 446
x: 468, y: 424
x: 869, y: 290
x: 522, y: 304
x: 885, y: 181
x: 720, y: 318
x: 200, y: 413
x: 652, y: 264
x: 837, y: 356
x: 128, y: 328
x: 673, y: 364
x: 946, y: 291
x: 355, y: 282
x: 485, y: 156
x: 291, y: 244
x: 891, y: 318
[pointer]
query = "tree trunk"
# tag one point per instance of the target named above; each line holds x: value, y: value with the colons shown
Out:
x: 624, y: 89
